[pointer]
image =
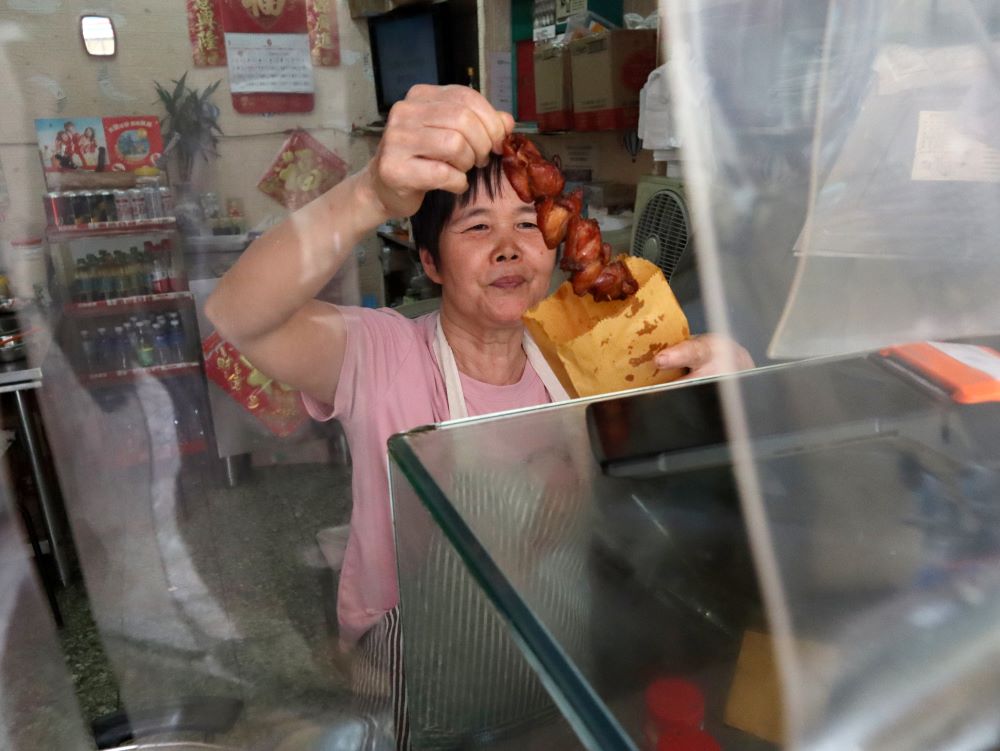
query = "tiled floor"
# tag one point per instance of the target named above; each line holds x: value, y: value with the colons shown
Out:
x: 217, y: 591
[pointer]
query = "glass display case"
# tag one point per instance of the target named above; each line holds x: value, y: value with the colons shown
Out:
x: 601, y: 550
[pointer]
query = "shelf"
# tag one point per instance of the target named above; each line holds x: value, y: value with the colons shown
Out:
x: 114, y: 377
x: 367, y: 130
x: 108, y: 229
x: 124, y: 303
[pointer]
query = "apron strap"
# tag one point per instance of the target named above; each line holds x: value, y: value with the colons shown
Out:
x: 457, y: 409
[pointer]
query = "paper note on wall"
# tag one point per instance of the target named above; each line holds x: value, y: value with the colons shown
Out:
x: 500, y: 87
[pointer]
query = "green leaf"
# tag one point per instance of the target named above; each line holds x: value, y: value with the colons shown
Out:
x: 179, y: 88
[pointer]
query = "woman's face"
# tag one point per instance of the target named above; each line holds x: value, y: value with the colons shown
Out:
x: 494, y: 263
x: 88, y: 133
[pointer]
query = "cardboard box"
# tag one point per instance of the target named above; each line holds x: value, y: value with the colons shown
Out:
x: 553, y: 87
x: 364, y: 8
x: 608, y: 71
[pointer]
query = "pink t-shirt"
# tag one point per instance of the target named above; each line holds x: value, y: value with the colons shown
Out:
x: 389, y: 383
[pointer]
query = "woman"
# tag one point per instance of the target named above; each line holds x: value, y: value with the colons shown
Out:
x: 379, y: 373
x: 88, y: 147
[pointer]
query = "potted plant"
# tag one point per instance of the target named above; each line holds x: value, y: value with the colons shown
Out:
x: 190, y: 128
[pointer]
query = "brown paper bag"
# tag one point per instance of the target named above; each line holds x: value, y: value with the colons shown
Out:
x: 600, y: 347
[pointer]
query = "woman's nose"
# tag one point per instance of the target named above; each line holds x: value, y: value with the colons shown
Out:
x: 506, y: 252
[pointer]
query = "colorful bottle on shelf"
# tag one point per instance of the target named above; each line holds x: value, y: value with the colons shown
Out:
x: 101, y: 358
x: 87, y: 350
x: 144, y: 354
x: 81, y: 285
x: 161, y: 345
x: 122, y: 360
x: 175, y: 338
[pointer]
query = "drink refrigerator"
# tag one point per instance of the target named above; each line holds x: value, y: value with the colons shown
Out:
x: 123, y: 308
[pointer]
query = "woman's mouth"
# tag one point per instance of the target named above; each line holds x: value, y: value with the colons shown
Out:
x: 508, y: 282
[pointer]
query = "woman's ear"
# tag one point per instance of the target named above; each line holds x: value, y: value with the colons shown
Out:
x: 430, y: 268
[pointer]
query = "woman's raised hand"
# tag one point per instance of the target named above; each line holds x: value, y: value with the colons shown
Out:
x: 432, y: 138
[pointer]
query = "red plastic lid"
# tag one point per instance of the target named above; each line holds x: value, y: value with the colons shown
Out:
x: 688, y: 739
x: 675, y: 702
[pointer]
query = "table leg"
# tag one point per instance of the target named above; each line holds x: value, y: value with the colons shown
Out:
x: 49, y: 517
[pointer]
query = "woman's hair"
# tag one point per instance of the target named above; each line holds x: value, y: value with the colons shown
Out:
x: 438, y: 206
x: 90, y: 132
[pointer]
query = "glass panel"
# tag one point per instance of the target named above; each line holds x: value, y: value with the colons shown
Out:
x: 620, y: 554
x: 609, y: 583
x: 468, y: 684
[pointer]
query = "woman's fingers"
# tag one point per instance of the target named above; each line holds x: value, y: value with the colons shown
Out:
x: 497, y: 125
x: 432, y: 138
x: 708, y: 354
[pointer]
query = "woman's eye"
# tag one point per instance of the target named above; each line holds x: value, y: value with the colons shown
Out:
x: 527, y: 225
x: 476, y: 228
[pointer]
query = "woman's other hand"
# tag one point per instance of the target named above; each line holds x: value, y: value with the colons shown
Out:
x: 705, y: 355
x: 432, y: 138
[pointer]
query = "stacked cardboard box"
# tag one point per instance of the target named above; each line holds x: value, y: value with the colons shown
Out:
x: 608, y: 71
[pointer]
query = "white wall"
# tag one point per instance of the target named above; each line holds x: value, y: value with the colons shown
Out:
x: 44, y: 72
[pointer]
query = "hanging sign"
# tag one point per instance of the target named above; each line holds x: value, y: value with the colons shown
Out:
x: 324, y: 36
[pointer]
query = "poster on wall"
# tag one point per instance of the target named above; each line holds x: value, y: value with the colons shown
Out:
x: 268, y: 54
x: 98, y: 144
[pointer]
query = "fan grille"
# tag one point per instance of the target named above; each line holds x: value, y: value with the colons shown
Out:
x: 664, y: 219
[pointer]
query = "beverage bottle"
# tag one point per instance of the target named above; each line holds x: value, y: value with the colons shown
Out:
x: 128, y: 332
x: 169, y: 262
x: 135, y: 269
x: 121, y: 350
x: 161, y: 274
x: 87, y: 350
x: 161, y: 347
x: 123, y: 281
x: 144, y: 352
x: 176, y: 340
x: 147, y: 264
x: 94, y: 279
x: 80, y: 291
x: 101, y: 349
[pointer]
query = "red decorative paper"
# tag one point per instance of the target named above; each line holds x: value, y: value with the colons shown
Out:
x: 303, y: 170
x: 205, y: 29
x: 267, y: 17
x: 133, y: 142
x: 324, y: 36
x: 276, y: 406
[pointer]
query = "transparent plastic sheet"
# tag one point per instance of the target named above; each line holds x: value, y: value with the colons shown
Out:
x: 37, y: 705
x: 843, y: 176
x: 204, y: 597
